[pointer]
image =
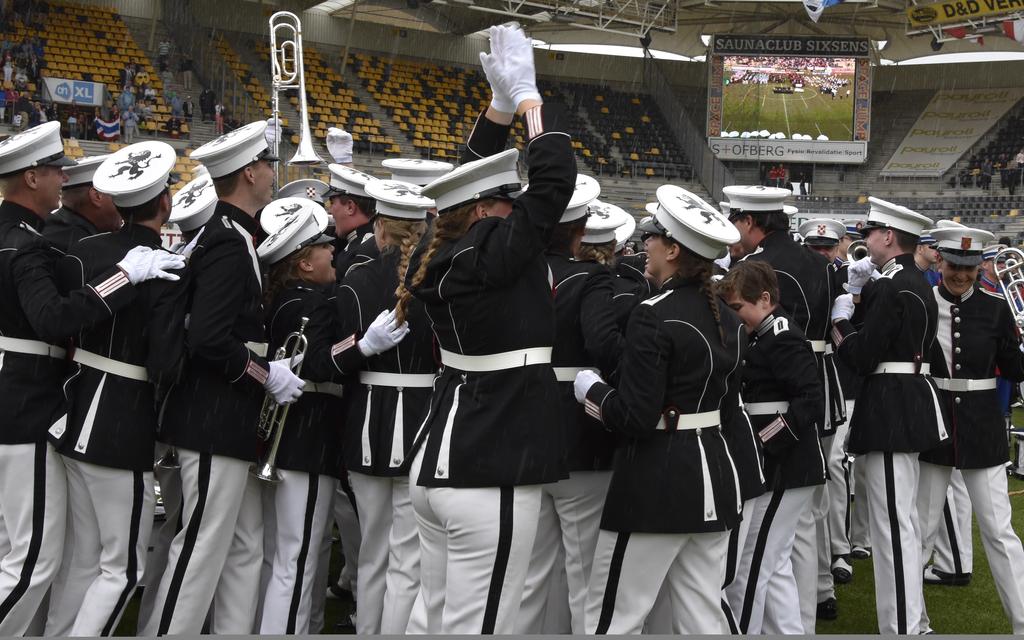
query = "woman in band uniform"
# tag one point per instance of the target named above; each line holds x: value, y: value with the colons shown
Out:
x: 674, y: 493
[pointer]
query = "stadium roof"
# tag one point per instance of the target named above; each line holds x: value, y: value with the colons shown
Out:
x: 673, y: 26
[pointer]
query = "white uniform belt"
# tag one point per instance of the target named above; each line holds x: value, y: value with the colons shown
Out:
x: 497, y: 361
x: 259, y: 348
x: 903, y: 367
x: 568, y: 374
x: 828, y: 349
x: 397, y: 379
x: 818, y: 346
x: 689, y: 421
x: 964, y: 384
x: 330, y: 388
x: 108, y: 365
x: 766, y: 408
x: 31, y: 347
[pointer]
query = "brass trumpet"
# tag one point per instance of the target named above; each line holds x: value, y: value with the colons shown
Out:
x: 1011, y: 275
x: 857, y: 250
x: 273, y: 415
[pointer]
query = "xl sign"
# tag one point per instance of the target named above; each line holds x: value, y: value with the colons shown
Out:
x: 77, y: 91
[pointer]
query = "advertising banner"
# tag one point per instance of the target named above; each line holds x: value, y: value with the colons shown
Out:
x: 765, y: 150
x: 959, y: 11
x: 79, y: 92
x: 771, y: 45
x: 948, y: 127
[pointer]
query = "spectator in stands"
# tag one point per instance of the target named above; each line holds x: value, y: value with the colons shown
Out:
x: 37, y: 117
x: 72, y: 124
x: 176, y: 108
x: 150, y: 92
x: 174, y: 127
x: 188, y: 109
x: 185, y: 67
x: 23, y: 108
x: 7, y: 99
x: 1014, y: 176
x: 20, y: 79
x: 145, y: 112
x: 126, y: 75
x: 218, y: 118
x: 126, y: 100
x: 8, y: 71
x: 141, y: 78
x: 129, y: 125
x: 51, y: 111
x: 986, y: 174
x: 206, y: 101
x: 163, y: 53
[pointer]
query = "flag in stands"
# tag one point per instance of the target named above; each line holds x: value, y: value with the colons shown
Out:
x: 1014, y: 29
x: 108, y: 130
x: 816, y: 7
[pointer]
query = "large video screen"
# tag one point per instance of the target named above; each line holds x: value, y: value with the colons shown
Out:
x: 809, y: 96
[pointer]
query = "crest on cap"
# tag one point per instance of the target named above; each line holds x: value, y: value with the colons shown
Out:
x: 135, y: 174
x: 604, y: 222
x: 348, y: 180
x: 41, y: 145
x: 416, y: 170
x: 400, y: 200
x: 306, y: 188
x: 276, y: 215
x: 692, y: 222
x: 965, y: 242
x: 299, y: 224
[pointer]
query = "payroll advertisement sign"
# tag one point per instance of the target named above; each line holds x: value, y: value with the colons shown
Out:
x: 951, y: 123
x: 789, y: 98
x: 959, y: 11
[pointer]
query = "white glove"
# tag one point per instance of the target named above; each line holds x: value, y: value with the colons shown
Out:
x: 382, y: 334
x: 493, y: 68
x: 842, y: 307
x: 142, y: 263
x: 858, y: 274
x: 282, y: 383
x: 584, y: 380
x: 185, y: 250
x: 339, y: 145
x: 517, y: 77
x: 725, y: 261
x: 272, y: 132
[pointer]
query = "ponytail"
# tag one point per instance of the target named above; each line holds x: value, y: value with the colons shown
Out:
x: 692, y: 266
x: 599, y: 253
x: 402, y: 236
x: 447, y: 227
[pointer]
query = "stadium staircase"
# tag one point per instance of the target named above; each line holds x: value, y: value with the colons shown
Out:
x: 199, y: 132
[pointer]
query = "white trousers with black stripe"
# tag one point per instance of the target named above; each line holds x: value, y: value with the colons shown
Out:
x: 33, y: 516
x: 890, y: 488
x: 737, y: 540
x: 991, y: 502
x: 570, y: 520
x: 215, y: 558
x: 475, y: 549
x: 953, y: 546
x: 169, y: 481
x: 630, y: 569
x: 111, y: 516
x: 389, y: 554
x: 763, y: 595
x: 302, y: 506
x: 343, y: 513
x: 860, y: 518
x: 838, y: 484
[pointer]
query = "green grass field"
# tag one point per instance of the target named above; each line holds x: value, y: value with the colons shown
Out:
x: 753, y: 107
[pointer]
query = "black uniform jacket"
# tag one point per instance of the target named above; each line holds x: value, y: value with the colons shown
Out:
x: 780, y: 367
x: 487, y: 293
x: 356, y: 247
x: 806, y: 291
x: 631, y: 287
x: 311, y: 439
x: 112, y: 419
x: 216, y: 405
x: 976, y: 335
x: 681, y: 481
x: 896, y: 412
x: 31, y: 398
x: 64, y: 227
x: 586, y: 336
x: 381, y: 421
x: 849, y: 381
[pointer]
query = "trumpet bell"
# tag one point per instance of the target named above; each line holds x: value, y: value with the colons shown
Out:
x: 305, y: 154
x: 857, y: 250
x: 265, y: 472
x: 168, y: 461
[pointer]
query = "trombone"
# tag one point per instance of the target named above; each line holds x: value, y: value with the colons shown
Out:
x: 273, y: 415
x: 1011, y: 276
x: 288, y: 72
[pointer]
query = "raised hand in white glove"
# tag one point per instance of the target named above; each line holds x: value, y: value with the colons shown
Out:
x: 517, y: 77
x: 273, y: 131
x: 382, y: 334
x: 581, y: 385
x: 858, y: 274
x: 339, y: 145
x: 282, y: 383
x: 842, y: 307
x: 142, y: 263
x: 493, y: 64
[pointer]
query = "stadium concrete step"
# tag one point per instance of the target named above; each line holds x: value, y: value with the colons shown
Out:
x: 386, y: 124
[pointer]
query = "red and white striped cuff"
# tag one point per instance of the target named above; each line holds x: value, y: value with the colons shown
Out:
x: 776, y: 425
x: 344, y: 345
x: 111, y: 284
x: 258, y: 373
x: 534, y: 122
x: 837, y: 336
x: 592, y: 409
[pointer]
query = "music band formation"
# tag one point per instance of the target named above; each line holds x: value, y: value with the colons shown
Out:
x: 519, y: 425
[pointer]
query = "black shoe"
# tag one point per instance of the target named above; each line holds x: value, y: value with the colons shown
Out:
x: 334, y: 591
x: 842, y: 571
x: 937, y: 577
x: 861, y: 553
x: 828, y: 610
